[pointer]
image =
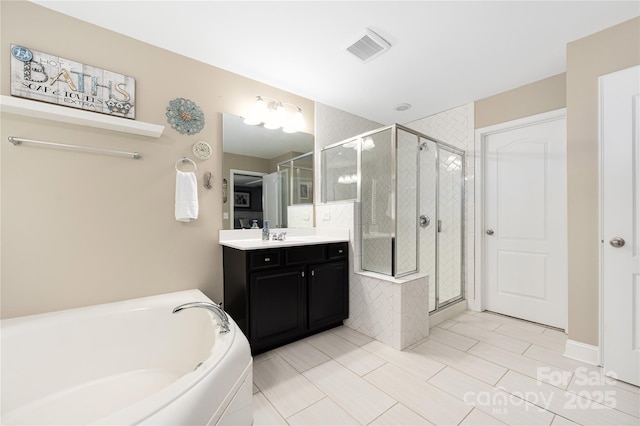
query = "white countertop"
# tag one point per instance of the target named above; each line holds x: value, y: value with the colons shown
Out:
x: 251, y: 239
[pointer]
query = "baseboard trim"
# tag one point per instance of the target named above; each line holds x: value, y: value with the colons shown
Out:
x: 582, y: 352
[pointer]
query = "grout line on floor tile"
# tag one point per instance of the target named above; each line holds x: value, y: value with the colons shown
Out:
x: 286, y: 419
x: 385, y: 412
x: 473, y: 346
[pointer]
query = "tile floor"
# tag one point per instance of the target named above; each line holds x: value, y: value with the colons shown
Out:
x: 475, y: 369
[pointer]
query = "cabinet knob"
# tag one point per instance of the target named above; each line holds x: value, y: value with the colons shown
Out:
x: 267, y: 259
x: 340, y: 251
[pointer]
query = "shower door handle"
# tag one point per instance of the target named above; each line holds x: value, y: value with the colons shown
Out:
x: 424, y: 221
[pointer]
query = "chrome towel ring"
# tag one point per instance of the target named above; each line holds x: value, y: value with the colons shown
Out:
x: 184, y: 160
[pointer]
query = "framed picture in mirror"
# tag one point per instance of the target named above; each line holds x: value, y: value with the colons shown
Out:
x: 305, y: 190
x: 242, y: 200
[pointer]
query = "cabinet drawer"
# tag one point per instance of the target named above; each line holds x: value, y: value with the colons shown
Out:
x: 338, y: 250
x: 305, y: 254
x: 264, y: 259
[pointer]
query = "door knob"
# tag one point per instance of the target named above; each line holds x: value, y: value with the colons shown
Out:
x: 616, y: 242
x: 424, y: 221
x: 489, y: 231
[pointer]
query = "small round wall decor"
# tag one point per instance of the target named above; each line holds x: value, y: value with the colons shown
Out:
x: 201, y: 150
x: 185, y: 116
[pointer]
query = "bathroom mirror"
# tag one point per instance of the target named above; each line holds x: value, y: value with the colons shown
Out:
x: 263, y: 168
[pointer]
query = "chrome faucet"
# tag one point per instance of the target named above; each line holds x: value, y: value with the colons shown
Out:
x: 215, y: 308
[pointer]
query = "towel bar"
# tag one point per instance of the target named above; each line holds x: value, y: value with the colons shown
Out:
x: 19, y: 141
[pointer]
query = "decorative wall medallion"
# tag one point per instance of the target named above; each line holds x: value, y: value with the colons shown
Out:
x: 185, y: 116
x: 201, y: 150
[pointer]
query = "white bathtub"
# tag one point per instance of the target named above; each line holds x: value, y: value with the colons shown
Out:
x: 123, y: 363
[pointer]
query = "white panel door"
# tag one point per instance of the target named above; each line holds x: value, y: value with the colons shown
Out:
x: 620, y: 132
x: 525, y: 239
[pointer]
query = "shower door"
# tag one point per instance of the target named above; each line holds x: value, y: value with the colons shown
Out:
x: 450, y: 226
x: 441, y: 221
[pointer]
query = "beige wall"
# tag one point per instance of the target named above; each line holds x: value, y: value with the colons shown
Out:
x: 534, y: 98
x: 607, y: 51
x: 79, y: 229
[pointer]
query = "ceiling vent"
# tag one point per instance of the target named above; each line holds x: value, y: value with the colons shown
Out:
x: 369, y: 46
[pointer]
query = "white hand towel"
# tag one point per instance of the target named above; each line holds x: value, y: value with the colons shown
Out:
x: 186, y: 196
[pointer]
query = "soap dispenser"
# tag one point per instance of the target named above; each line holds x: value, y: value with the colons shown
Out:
x: 265, y: 231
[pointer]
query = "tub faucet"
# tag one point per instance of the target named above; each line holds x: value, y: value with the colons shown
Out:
x: 215, y: 308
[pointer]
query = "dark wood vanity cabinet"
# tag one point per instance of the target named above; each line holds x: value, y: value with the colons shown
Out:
x: 280, y: 295
x: 277, y: 310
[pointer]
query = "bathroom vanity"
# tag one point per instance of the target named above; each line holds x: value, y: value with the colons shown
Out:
x: 282, y: 291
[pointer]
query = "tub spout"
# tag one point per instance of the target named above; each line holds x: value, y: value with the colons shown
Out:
x: 216, y: 309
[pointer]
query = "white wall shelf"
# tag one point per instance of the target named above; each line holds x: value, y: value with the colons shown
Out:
x: 29, y: 108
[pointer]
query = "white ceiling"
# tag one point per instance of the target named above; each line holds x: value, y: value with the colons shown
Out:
x: 444, y: 53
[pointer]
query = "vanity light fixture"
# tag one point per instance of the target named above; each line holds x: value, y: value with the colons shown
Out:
x: 273, y: 114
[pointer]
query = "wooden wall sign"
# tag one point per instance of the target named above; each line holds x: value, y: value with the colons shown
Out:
x: 43, y: 77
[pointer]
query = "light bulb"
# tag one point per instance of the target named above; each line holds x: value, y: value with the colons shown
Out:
x: 368, y: 144
x: 257, y: 112
x: 294, y: 122
x: 273, y: 118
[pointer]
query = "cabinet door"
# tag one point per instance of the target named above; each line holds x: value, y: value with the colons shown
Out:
x: 328, y: 294
x: 277, y: 307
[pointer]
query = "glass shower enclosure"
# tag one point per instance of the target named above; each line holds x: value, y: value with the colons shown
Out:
x: 411, y: 193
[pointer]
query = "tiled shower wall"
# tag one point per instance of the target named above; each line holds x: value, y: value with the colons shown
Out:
x: 395, y: 313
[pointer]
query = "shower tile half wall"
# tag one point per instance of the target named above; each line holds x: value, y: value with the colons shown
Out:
x: 394, y: 312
